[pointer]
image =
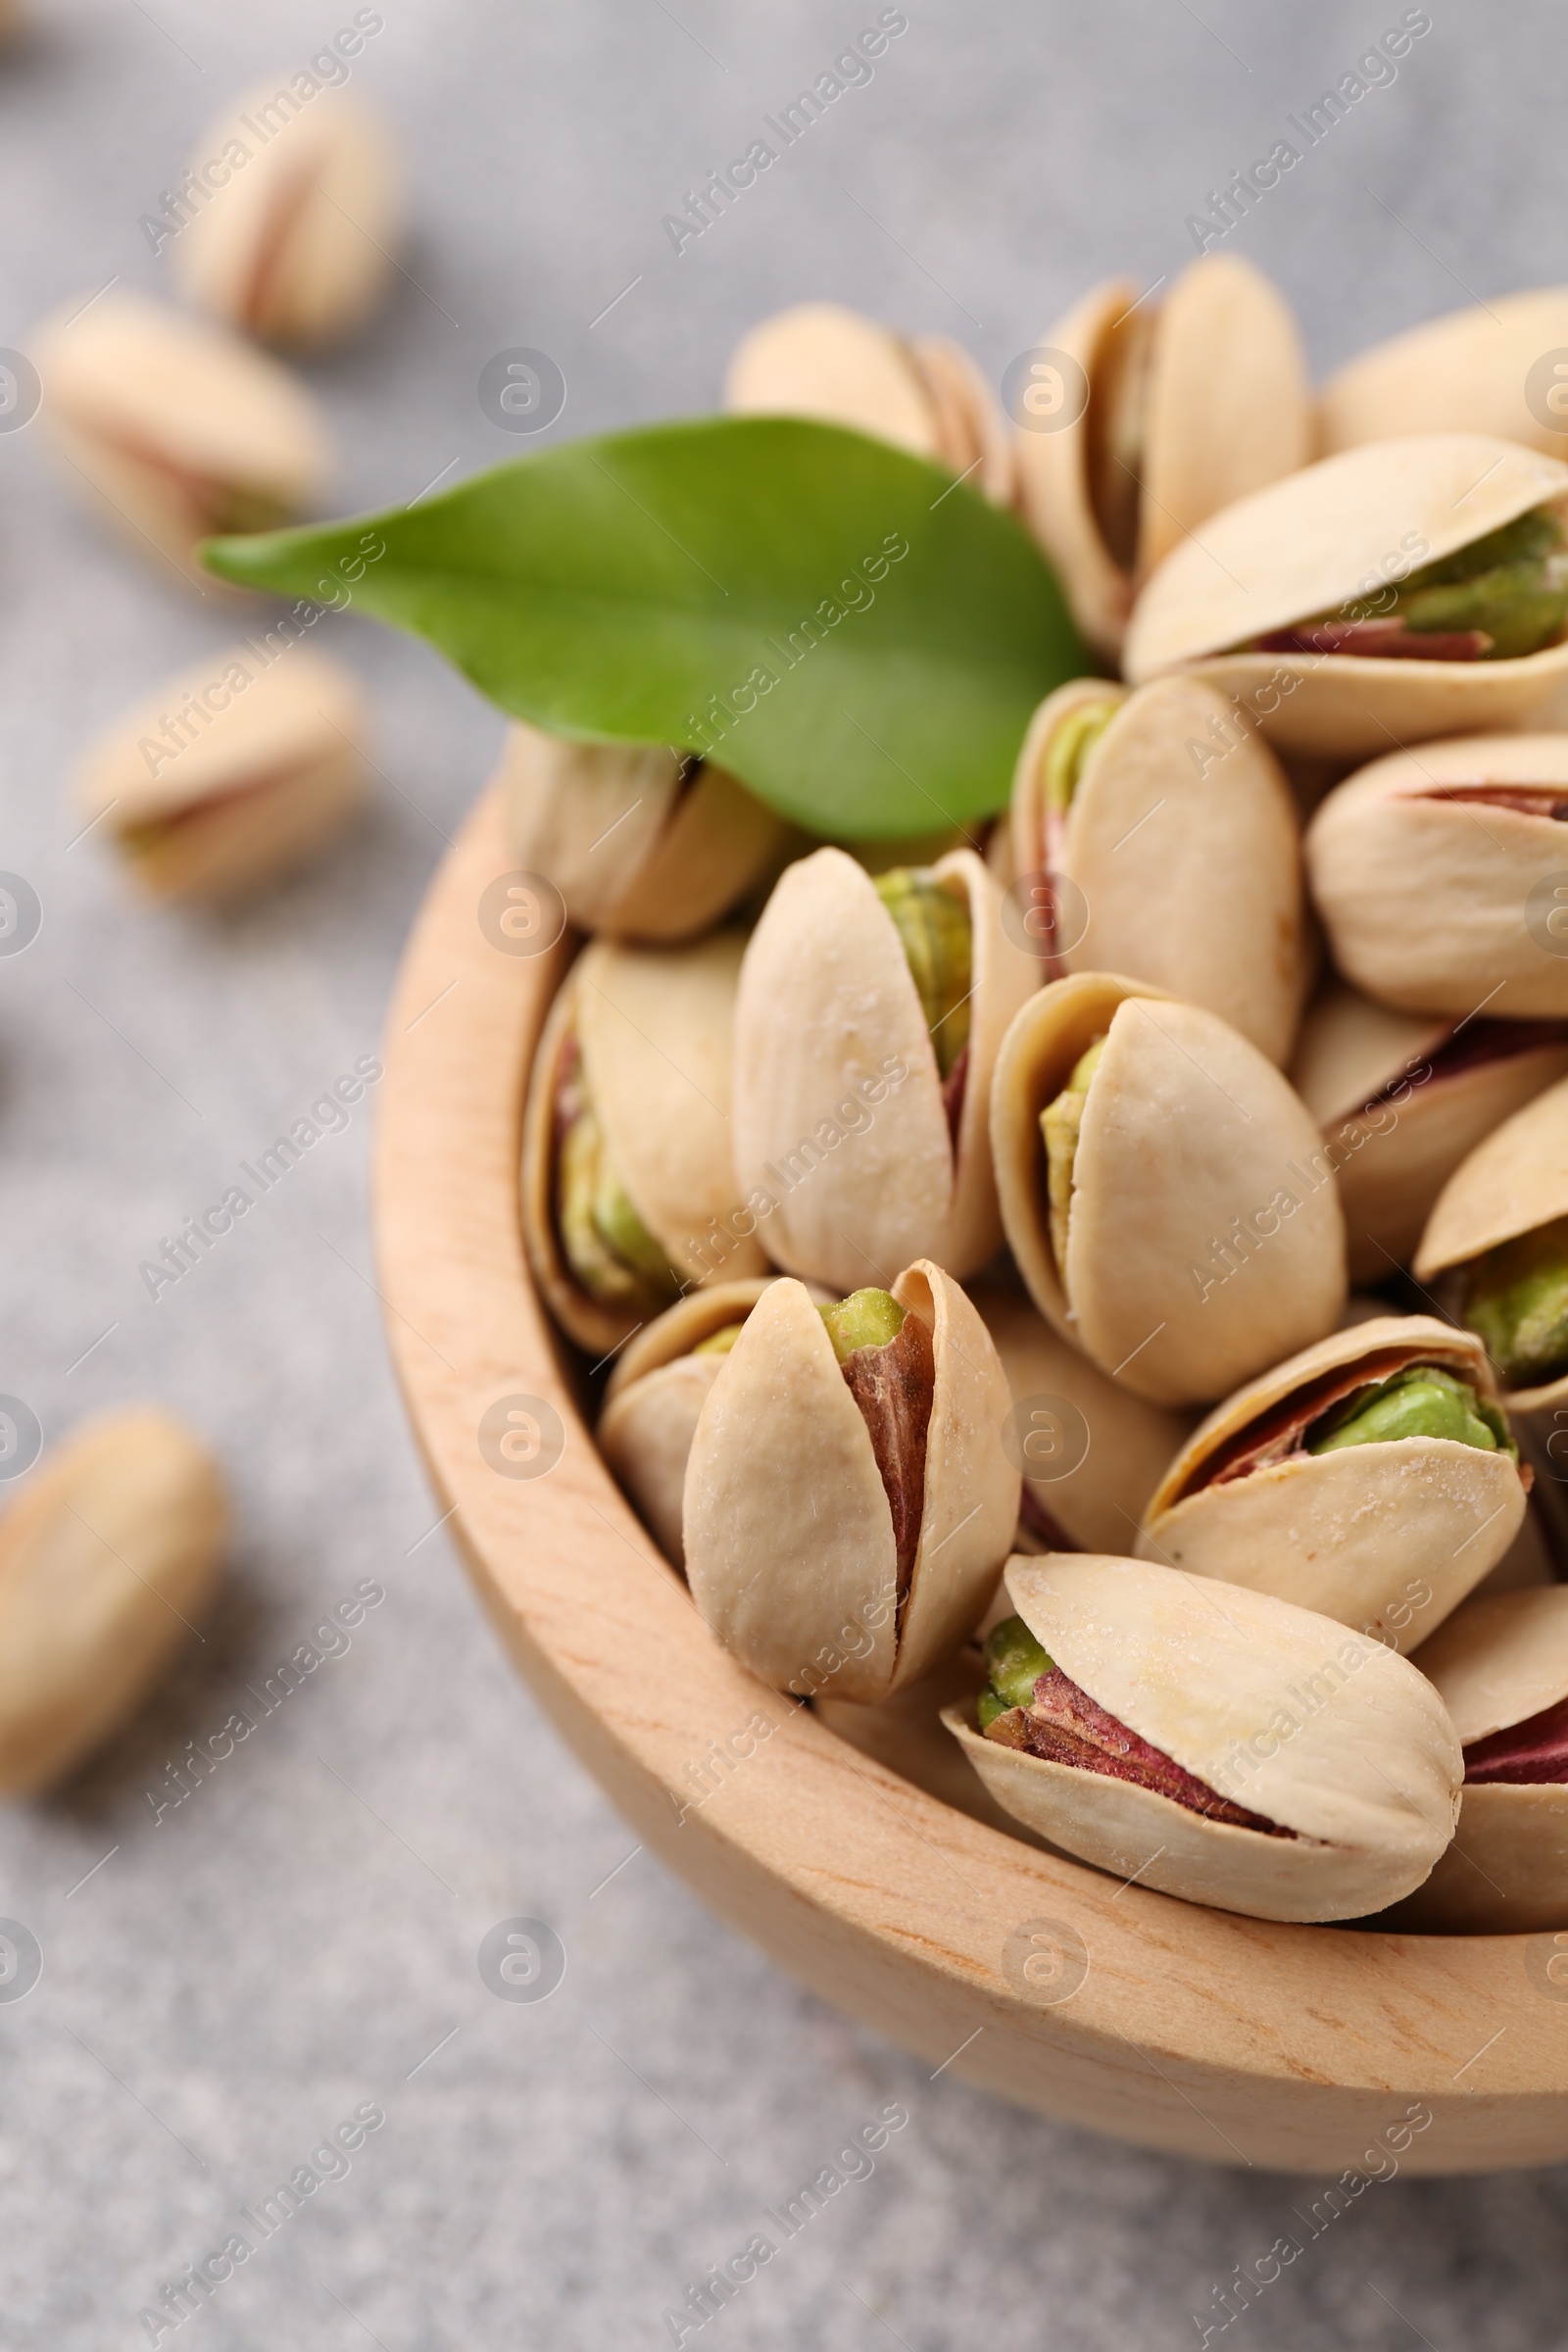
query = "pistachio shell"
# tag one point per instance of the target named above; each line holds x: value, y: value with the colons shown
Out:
x: 296, y: 247
x: 859, y: 1157
x: 1506, y: 1872
x: 1230, y: 404
x: 1318, y: 540
x: 1283, y: 1711
x: 1183, y: 838
x: 1462, y: 374
x: 107, y: 1554
x: 631, y: 847
x: 1498, y: 1661
x: 926, y: 396
x: 1187, y: 1129
x: 1516, y: 1179
x: 653, y: 1399
x: 1512, y: 1182
x: 1227, y: 409
x: 1425, y: 899
x: 790, y: 1548
x: 820, y: 360
x: 972, y: 437
x: 233, y: 773
x: 1053, y: 478
x: 179, y: 429
x: 654, y: 1027
x: 1096, y: 1504
x: 1397, y: 1124
x: 1386, y: 1537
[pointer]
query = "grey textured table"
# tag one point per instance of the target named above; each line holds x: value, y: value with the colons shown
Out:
x: 297, y: 1940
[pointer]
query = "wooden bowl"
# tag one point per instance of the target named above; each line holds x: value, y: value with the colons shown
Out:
x: 1183, y: 2029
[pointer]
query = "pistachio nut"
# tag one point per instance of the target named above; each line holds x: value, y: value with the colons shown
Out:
x: 1466, y: 373
x: 1425, y: 868
x: 179, y: 428
x: 1162, y: 1188
x: 1400, y: 1099
x: 639, y: 840
x: 1372, y: 1478
x: 108, y: 1553
x: 1191, y: 403
x: 1501, y: 1668
x: 654, y: 1397
x: 1091, y: 1452
x: 925, y: 395
x: 867, y: 1023
x: 1405, y: 590
x: 848, y: 1500
x: 1211, y: 1741
x: 1498, y: 1238
x: 629, y: 1199
x: 233, y: 773
x: 295, y: 244
x: 1176, y: 825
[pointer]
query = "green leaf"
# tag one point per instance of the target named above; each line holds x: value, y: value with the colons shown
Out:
x: 626, y: 589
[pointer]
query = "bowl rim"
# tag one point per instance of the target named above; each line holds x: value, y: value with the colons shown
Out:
x: 1232, y: 2040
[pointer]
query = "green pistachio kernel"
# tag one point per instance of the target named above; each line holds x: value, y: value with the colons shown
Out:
x: 1067, y: 754
x: 1060, y: 1125
x: 1014, y: 1663
x: 719, y: 1343
x: 608, y: 1248
x: 1516, y: 1300
x: 1513, y: 583
x: 137, y: 841
x: 864, y: 1319
x: 934, y: 927
x: 231, y: 508
x: 1420, y: 1402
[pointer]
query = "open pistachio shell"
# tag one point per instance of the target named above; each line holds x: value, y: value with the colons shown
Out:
x: 1182, y: 839
x: 294, y: 242
x: 1092, y: 1452
x: 108, y: 1555
x: 1466, y: 373
x: 653, y: 1399
x: 653, y: 1027
x: 790, y: 1545
x: 972, y: 437
x: 1498, y: 1660
x: 1400, y: 1099
x: 1514, y: 1181
x: 1204, y: 1240
x: 1277, y: 1710
x: 1423, y: 866
x: 1387, y: 1537
x: 839, y: 1116
x: 926, y: 396
x: 179, y: 429
x: 230, y: 774
x: 1317, y: 542
x: 1223, y: 407
x: 637, y: 841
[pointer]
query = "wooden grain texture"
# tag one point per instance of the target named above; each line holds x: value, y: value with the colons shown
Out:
x: 1220, y: 2038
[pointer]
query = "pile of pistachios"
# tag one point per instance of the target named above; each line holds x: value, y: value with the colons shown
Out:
x: 224, y: 778
x: 175, y: 427
x: 958, y: 1236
